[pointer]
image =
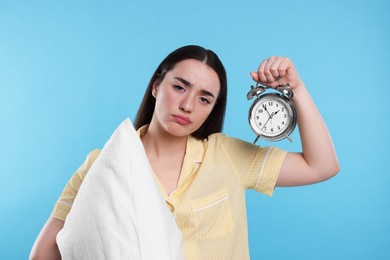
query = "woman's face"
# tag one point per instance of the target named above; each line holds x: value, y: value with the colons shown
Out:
x: 185, y: 97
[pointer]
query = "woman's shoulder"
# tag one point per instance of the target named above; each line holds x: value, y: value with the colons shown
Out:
x: 89, y: 160
x: 93, y: 154
x: 217, y: 137
x: 91, y: 157
x: 221, y: 139
x: 224, y: 141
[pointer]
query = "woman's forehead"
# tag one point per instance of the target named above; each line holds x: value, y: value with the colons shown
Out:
x: 196, y: 73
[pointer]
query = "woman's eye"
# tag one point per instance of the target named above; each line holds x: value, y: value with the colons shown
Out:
x: 204, y: 100
x: 179, y: 88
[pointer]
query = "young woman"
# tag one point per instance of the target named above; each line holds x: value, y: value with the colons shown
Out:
x: 203, y: 174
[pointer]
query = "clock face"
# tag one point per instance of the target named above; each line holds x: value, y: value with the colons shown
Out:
x: 272, y: 117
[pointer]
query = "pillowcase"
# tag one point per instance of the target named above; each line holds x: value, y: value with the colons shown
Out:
x: 119, y: 211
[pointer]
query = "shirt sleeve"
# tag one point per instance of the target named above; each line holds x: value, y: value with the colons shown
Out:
x: 65, y: 201
x: 257, y: 167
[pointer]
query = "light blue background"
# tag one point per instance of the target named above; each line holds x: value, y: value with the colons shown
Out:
x: 71, y: 71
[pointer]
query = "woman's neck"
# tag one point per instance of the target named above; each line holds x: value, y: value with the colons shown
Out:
x: 166, y: 154
x: 162, y: 144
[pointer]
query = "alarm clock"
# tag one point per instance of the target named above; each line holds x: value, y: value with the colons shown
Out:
x: 272, y: 116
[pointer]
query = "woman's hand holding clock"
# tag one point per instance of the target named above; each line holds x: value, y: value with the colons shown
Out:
x: 275, y: 68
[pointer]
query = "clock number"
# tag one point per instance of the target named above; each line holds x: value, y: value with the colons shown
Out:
x: 270, y: 103
x: 260, y: 110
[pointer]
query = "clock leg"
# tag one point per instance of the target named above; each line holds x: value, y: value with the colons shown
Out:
x: 288, y: 137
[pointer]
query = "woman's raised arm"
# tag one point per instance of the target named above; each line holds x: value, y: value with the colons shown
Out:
x: 317, y: 161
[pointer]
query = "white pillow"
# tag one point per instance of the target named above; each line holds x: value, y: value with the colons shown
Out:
x: 119, y: 211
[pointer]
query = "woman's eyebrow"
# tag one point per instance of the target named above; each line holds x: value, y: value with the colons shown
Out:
x: 189, y: 84
x: 185, y: 82
x: 207, y: 93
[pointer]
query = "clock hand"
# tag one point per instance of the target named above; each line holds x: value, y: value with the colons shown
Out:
x: 265, y: 108
x: 274, y: 113
x: 266, y: 123
x: 270, y: 117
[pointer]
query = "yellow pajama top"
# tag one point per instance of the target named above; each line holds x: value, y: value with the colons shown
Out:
x: 209, y: 201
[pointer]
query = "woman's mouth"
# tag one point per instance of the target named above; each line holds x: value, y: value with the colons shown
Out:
x: 182, y: 120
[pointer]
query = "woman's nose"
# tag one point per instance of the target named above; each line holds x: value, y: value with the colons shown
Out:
x: 187, y: 105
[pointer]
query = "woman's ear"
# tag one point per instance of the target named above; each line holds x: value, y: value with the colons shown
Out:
x: 154, y: 89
